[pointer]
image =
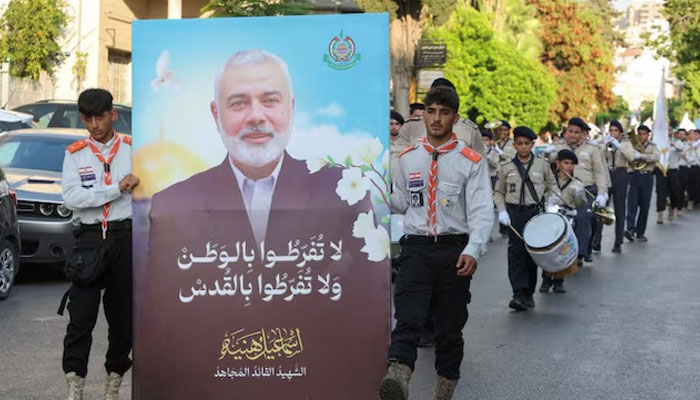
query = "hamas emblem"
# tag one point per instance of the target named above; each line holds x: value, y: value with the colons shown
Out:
x: 341, y: 53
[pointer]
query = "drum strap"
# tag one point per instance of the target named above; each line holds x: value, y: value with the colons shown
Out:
x: 525, y: 177
x: 568, y: 181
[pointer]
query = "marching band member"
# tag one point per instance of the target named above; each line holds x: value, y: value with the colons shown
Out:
x: 641, y: 185
x: 518, y: 195
x: 596, y: 225
x: 619, y: 156
x: 592, y: 172
x: 504, y: 145
x: 683, y: 170
x: 693, y: 158
x: 492, y: 155
x: 677, y: 146
x: 572, y: 196
x: 442, y: 187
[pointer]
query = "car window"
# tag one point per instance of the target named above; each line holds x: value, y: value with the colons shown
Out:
x: 34, y: 152
x: 42, y: 113
x: 11, y: 126
x: 123, y: 122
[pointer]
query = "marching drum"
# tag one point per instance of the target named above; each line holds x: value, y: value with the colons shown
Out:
x: 551, y: 242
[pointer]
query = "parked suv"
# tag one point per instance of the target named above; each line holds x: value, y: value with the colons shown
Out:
x: 9, y: 237
x: 65, y: 114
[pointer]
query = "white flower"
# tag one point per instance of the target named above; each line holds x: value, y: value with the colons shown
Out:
x: 367, y: 152
x: 353, y: 186
x: 363, y: 224
x: 385, y: 161
x: 315, y: 164
x: 377, y: 244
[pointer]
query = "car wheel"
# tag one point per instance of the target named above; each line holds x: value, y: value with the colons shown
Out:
x: 9, y: 264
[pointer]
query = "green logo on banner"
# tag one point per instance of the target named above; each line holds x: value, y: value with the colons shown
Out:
x: 341, y: 53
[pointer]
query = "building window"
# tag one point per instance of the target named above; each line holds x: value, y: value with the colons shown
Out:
x: 120, y: 75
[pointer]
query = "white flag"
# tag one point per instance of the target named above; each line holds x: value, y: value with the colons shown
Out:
x: 660, y: 127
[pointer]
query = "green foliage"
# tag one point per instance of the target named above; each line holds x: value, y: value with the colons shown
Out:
x: 30, y: 33
x: 256, y: 8
x: 493, y: 79
x: 375, y: 6
x: 620, y: 109
x: 80, y: 67
x: 514, y: 22
x: 579, y: 54
x: 675, y: 111
x: 682, y: 46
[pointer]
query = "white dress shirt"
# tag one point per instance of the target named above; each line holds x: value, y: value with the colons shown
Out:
x: 257, y: 196
x: 83, y: 187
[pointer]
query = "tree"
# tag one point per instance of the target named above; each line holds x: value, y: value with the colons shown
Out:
x: 256, y: 8
x: 681, y: 45
x: 493, y: 79
x: 620, y: 109
x: 579, y: 55
x: 514, y: 22
x: 408, y: 19
x: 675, y: 111
x: 30, y: 32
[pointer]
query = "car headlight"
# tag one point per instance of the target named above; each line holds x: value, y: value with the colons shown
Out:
x: 46, y: 209
x: 63, y: 211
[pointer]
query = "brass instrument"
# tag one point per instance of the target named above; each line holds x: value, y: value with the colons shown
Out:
x: 493, y: 124
x: 636, y: 165
x: 606, y: 215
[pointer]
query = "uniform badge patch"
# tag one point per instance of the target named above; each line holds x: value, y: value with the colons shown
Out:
x: 511, y: 187
x: 415, y: 181
x: 417, y: 199
x: 86, y: 174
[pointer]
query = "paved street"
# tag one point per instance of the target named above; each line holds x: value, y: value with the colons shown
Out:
x: 628, y: 328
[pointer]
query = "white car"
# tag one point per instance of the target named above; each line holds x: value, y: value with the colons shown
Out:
x: 12, y: 120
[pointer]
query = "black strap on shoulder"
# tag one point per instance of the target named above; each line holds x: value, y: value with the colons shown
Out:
x: 525, y: 177
x: 64, y: 300
x: 559, y: 185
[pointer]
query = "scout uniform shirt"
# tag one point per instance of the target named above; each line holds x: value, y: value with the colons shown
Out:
x: 620, y: 157
x: 464, y: 199
x: 591, y: 168
x: 508, y: 150
x: 602, y: 150
x: 493, y: 160
x: 651, y: 155
x: 510, y: 188
x: 573, y: 194
x: 676, y: 148
x: 84, y: 188
x: 414, y: 129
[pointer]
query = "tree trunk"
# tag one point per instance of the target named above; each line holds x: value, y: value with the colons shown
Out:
x: 405, y: 33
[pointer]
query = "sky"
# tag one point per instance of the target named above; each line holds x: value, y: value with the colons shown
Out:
x: 622, y: 4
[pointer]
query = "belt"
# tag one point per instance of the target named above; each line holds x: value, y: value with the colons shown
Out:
x: 453, y: 240
x: 618, y: 169
x: 111, y: 225
x: 643, y: 172
x: 519, y: 207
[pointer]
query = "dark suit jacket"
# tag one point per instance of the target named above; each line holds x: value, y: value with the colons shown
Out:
x: 179, y: 344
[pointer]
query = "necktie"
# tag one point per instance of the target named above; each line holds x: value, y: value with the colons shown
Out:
x: 431, y: 221
x: 108, y: 174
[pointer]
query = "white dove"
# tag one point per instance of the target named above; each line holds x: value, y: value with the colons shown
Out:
x: 164, y: 76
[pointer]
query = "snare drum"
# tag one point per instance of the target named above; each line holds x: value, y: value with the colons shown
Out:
x: 551, y: 242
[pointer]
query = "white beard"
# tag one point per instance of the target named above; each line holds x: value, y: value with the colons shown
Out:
x: 254, y: 155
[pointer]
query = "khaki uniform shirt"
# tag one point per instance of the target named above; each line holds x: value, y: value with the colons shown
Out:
x: 572, y: 193
x: 508, y: 150
x: 620, y: 157
x: 677, y: 147
x: 493, y: 160
x: 591, y: 168
x: 651, y: 155
x: 464, y: 198
x: 510, y: 185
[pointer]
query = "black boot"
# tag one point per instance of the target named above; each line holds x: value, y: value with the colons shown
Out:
x: 546, y: 284
x: 559, y: 286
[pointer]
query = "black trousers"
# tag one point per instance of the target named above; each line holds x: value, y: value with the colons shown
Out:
x: 620, y: 183
x: 684, y: 176
x: 522, y: 269
x: 694, y: 184
x: 674, y: 187
x: 638, y: 201
x: 582, y: 225
x: 662, y: 190
x: 84, y: 305
x: 428, y: 270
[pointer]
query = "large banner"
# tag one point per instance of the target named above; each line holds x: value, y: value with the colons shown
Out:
x: 261, y: 264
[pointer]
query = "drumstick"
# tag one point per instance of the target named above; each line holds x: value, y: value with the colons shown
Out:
x: 515, y: 231
x: 584, y: 188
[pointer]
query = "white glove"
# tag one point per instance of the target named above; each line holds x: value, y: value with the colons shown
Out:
x: 549, y: 149
x: 601, y: 200
x: 612, y: 140
x: 504, y: 218
x: 498, y: 150
x: 637, y: 155
x: 554, y: 201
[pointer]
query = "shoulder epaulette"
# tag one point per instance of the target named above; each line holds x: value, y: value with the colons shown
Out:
x: 75, y: 146
x: 413, y: 119
x: 469, y: 122
x: 126, y: 139
x: 408, y: 150
x: 471, y: 154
